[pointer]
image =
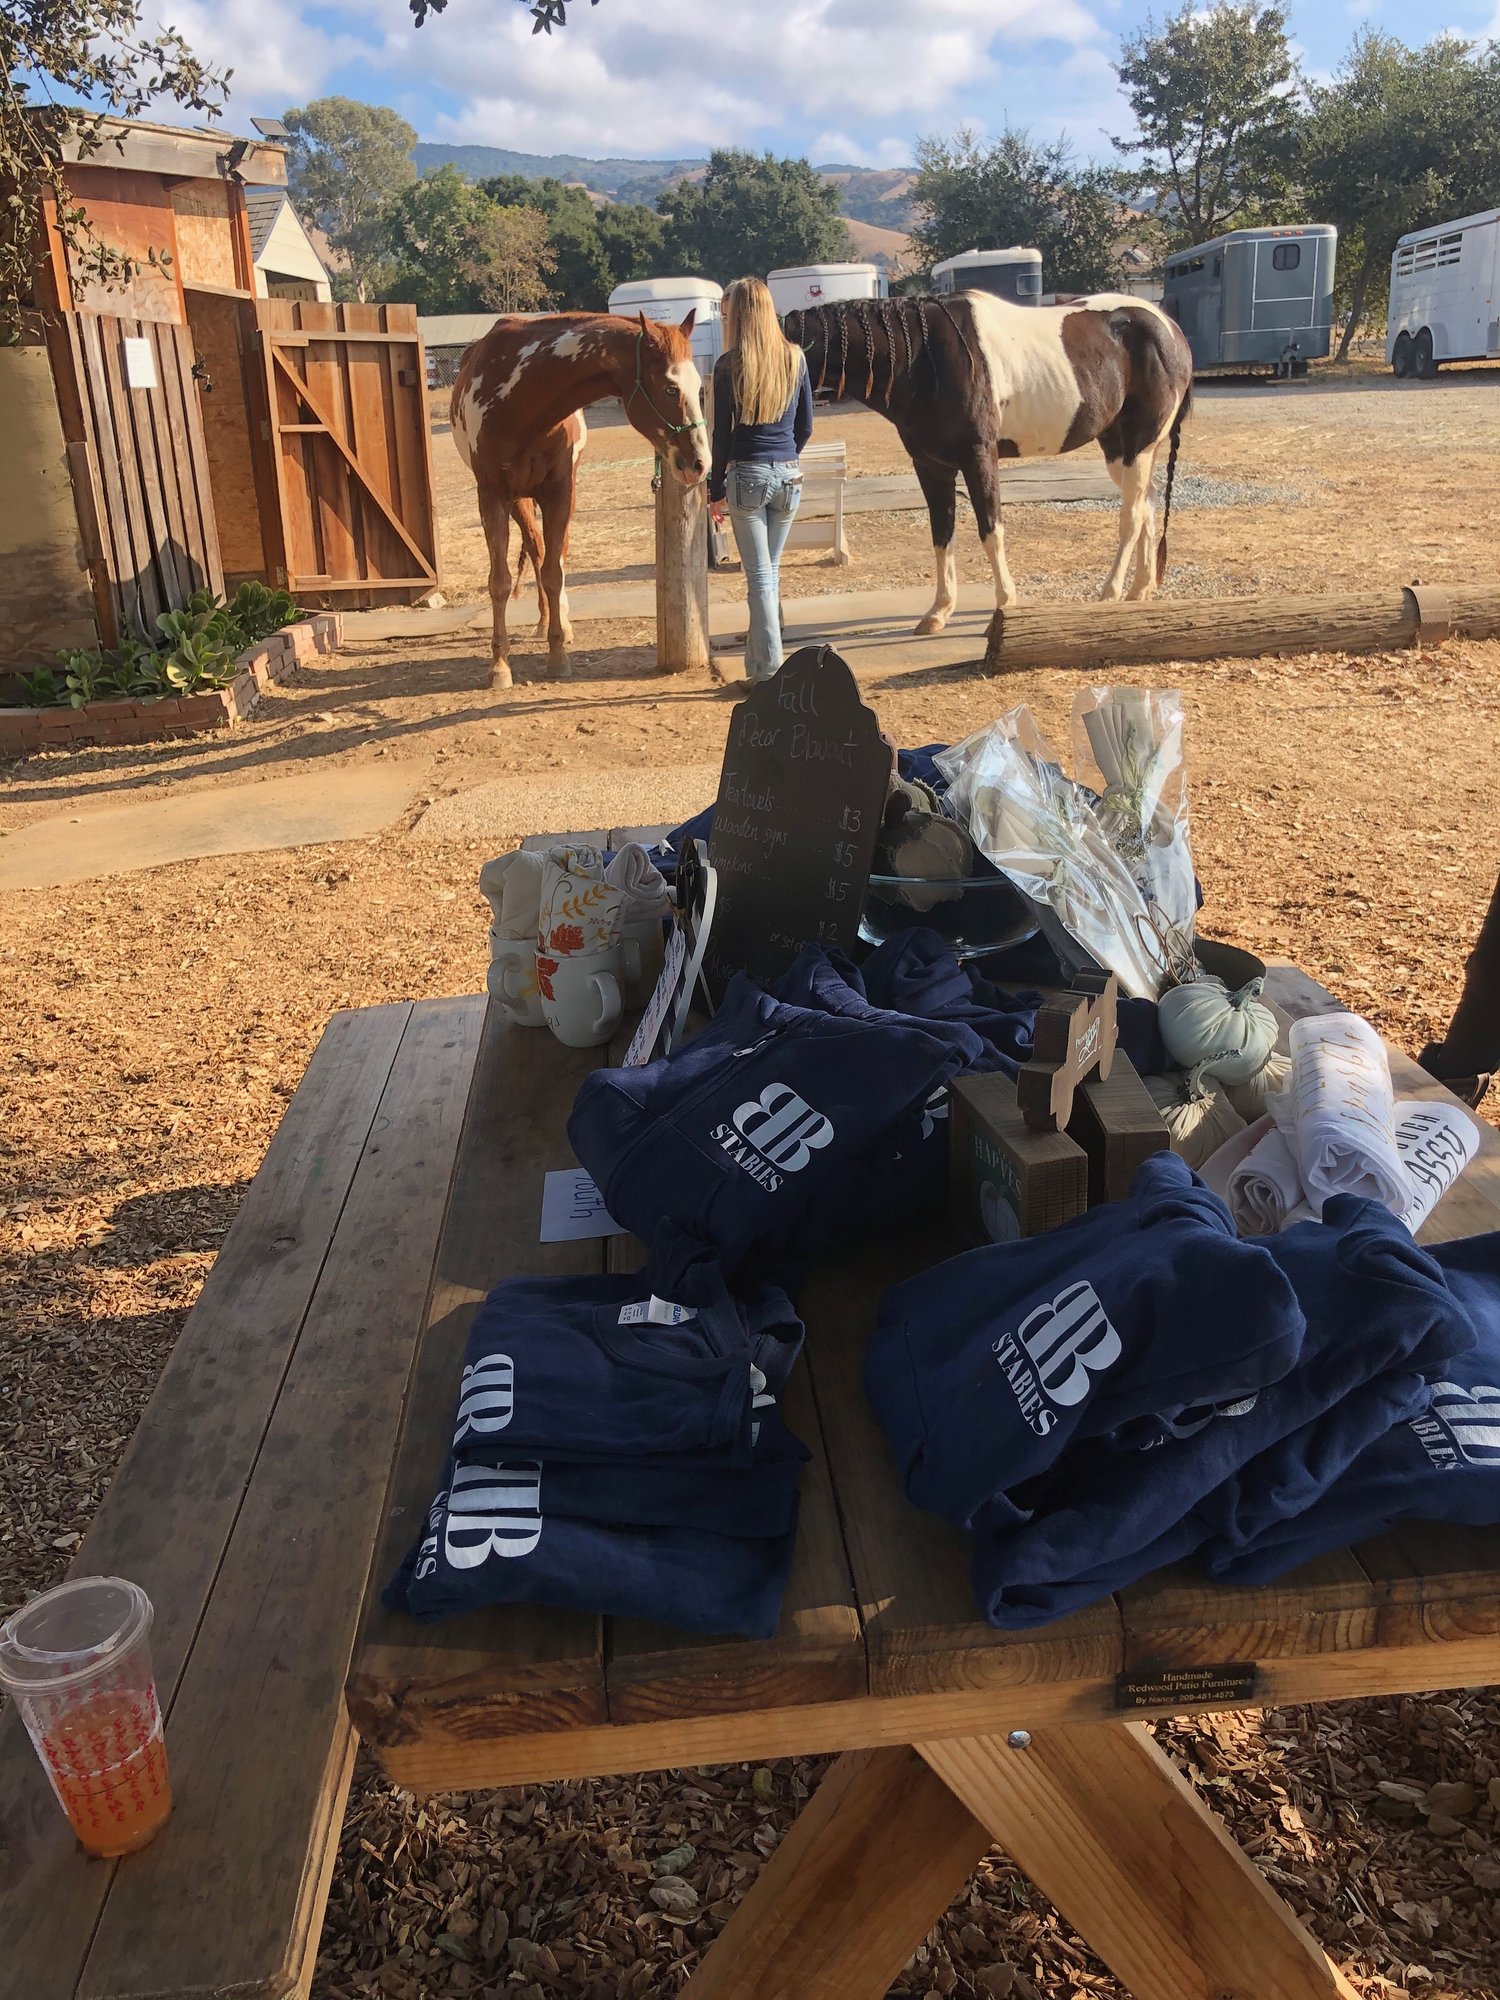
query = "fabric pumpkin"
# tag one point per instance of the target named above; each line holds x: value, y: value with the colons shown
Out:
x: 1251, y: 1099
x: 1198, y: 1118
x: 1205, y: 1026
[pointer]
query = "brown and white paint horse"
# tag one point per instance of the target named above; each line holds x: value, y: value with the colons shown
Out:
x: 970, y: 379
x: 517, y: 421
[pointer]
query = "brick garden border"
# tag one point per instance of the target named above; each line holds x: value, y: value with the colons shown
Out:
x: 110, y: 722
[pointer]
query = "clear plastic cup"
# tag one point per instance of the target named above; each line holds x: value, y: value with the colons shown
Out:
x: 77, y: 1663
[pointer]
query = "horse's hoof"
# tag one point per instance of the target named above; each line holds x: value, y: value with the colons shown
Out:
x: 500, y: 675
x: 559, y: 667
x: 933, y: 622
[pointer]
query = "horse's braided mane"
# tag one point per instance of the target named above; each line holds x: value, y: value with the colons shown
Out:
x: 963, y: 340
x: 888, y: 319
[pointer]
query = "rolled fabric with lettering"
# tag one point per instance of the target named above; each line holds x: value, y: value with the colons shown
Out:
x: 632, y: 870
x: 1337, y: 1113
x: 1216, y: 1169
x: 1436, y: 1142
x: 512, y: 886
x: 1265, y: 1188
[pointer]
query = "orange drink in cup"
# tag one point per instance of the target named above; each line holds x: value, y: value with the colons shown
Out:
x: 77, y: 1662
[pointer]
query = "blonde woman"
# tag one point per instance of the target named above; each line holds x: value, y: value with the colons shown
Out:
x: 763, y: 416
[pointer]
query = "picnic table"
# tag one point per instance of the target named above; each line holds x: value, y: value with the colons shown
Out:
x: 290, y: 1452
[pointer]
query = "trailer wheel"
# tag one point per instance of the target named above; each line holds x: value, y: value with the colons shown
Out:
x: 1401, y: 356
x: 1423, y: 360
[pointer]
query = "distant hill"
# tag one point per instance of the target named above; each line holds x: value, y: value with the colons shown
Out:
x: 879, y: 196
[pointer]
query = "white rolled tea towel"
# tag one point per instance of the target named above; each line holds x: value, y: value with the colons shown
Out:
x: 512, y: 886
x: 1337, y: 1113
x: 633, y: 870
x: 1265, y: 1188
x: 1436, y: 1142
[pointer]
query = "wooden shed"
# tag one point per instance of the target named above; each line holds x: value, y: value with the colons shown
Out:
x: 179, y: 432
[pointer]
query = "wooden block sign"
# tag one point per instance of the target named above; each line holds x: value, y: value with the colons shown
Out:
x: 802, y: 791
x: 1005, y: 1179
x: 1075, y: 1036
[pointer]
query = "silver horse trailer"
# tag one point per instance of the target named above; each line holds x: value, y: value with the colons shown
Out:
x: 1014, y: 274
x: 1445, y: 295
x: 1256, y: 298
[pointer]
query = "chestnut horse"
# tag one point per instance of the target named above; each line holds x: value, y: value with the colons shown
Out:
x: 970, y: 379
x: 517, y: 421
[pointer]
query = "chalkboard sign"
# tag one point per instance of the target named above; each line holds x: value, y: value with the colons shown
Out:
x: 804, y: 785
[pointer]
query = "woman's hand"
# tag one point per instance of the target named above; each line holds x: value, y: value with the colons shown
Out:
x: 717, y: 510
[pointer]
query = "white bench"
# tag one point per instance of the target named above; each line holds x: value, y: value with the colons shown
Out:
x: 819, y: 522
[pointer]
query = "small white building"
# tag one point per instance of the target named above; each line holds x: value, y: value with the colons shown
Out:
x: 795, y: 287
x: 674, y: 299
x: 286, y: 264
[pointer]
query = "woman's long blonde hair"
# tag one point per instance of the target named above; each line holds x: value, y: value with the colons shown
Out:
x: 763, y: 363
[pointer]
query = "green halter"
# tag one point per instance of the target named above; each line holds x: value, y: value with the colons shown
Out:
x: 672, y: 430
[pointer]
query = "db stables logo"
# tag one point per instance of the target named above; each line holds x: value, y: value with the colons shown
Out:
x: 1055, y: 1352
x: 492, y: 1510
x: 774, y: 1134
x: 1462, y: 1425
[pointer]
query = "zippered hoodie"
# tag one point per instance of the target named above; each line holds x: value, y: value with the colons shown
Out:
x: 749, y: 1126
x: 984, y: 1370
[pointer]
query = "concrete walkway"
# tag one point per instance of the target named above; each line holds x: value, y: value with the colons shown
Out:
x: 835, y: 611
x: 222, y: 819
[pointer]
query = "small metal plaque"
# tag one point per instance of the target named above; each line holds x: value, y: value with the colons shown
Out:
x: 1183, y: 1689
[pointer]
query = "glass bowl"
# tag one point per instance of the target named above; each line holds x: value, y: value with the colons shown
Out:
x: 975, y: 914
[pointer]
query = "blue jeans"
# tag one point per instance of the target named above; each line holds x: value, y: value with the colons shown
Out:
x: 762, y: 500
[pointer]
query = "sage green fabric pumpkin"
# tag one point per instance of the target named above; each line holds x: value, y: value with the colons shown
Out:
x: 1205, y: 1026
x: 1199, y: 1118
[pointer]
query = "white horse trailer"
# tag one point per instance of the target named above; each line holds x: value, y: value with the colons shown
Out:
x: 674, y: 299
x: 1445, y: 295
x: 1014, y: 274
x: 797, y: 286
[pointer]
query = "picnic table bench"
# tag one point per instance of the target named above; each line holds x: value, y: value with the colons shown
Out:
x: 291, y: 1449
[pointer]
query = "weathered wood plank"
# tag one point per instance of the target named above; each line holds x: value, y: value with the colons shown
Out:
x: 520, y: 1667
x: 220, y: 1899
x: 1110, y: 1831
x: 463, y: 1757
x: 1182, y: 1618
x: 190, y: 1462
x: 869, y: 1865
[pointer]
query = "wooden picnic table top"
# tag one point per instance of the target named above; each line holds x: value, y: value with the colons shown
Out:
x: 296, y: 1437
x: 879, y: 1638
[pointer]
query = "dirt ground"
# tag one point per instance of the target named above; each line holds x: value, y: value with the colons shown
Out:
x: 1343, y: 815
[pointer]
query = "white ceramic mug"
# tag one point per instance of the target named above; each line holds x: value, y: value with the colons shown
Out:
x: 580, y: 996
x: 512, y: 981
x: 644, y: 949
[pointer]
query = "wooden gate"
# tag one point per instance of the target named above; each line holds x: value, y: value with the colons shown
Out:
x: 346, y: 402
x: 140, y: 470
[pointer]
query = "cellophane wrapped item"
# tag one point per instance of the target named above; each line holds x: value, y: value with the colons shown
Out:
x: 1044, y: 832
x: 1127, y: 744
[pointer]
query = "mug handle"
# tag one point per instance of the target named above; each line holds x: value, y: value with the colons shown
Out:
x: 518, y: 978
x: 608, y: 989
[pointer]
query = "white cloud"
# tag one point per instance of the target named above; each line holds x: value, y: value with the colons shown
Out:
x: 668, y: 77
x: 277, y: 56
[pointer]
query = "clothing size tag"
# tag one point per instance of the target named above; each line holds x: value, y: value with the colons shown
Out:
x: 1182, y: 1689
x: 656, y: 1312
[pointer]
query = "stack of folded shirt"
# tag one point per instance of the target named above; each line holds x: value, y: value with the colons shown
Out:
x: 754, y: 1133
x: 618, y: 1448
x: 1109, y: 1397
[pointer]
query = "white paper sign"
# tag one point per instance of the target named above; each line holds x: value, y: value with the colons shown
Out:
x: 140, y: 363
x: 659, y: 1006
x: 572, y: 1207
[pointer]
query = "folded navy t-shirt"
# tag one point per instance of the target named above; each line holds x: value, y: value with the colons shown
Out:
x: 735, y: 1137
x: 492, y: 1538
x: 983, y: 1370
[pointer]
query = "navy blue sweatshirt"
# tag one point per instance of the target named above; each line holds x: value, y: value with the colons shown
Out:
x: 762, y: 444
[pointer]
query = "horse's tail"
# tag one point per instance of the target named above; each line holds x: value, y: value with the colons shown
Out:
x: 523, y: 513
x: 1184, y: 410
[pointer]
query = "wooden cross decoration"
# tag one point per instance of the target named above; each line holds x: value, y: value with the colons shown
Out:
x: 1075, y: 1035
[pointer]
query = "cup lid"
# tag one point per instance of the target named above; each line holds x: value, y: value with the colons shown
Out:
x: 72, y: 1631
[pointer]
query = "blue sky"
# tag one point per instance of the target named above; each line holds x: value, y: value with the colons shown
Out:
x: 854, y: 80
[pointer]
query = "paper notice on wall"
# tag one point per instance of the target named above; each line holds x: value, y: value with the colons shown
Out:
x: 572, y: 1208
x: 140, y: 363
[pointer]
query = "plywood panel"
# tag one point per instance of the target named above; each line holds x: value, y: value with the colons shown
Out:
x: 217, y: 324
x: 131, y: 213
x: 205, y: 234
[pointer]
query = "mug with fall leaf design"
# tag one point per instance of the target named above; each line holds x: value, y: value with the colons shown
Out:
x: 578, y: 910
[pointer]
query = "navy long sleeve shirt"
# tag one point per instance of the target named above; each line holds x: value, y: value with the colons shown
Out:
x: 764, y: 444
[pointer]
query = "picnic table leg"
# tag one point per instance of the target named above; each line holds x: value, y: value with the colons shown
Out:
x: 873, y: 1860
x: 1110, y: 1831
